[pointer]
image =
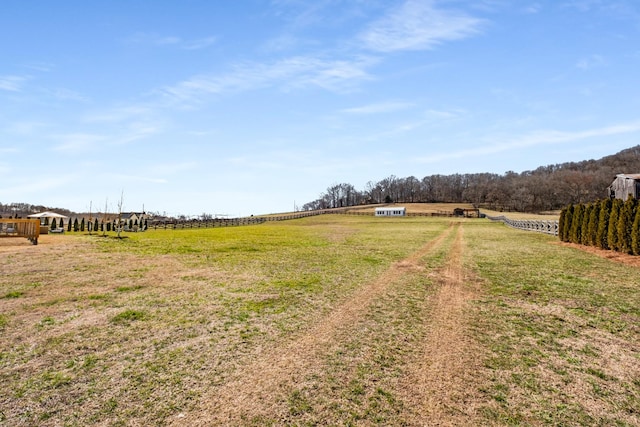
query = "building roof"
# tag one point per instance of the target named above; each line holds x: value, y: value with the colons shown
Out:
x: 629, y: 175
x: 48, y: 215
x: 126, y: 215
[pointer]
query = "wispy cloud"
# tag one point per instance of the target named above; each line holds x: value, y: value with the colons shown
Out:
x: 25, y: 127
x: 39, y: 66
x: 289, y: 73
x: 66, y: 94
x: 583, y: 5
x: 333, y: 75
x: 5, y: 167
x: 138, y: 178
x: 153, y: 39
x: 36, y: 185
x: 382, y: 107
x: 118, y: 114
x: 158, y: 173
x: 618, y: 9
x: 533, y: 8
x: 591, y: 61
x: 199, y: 43
x: 74, y: 142
x: 443, y: 115
x: 201, y: 132
x: 305, y: 14
x: 418, y: 25
x: 281, y: 43
x: 12, y: 83
x: 159, y: 40
x: 543, y: 137
x: 172, y: 168
x: 136, y: 132
x: 80, y: 142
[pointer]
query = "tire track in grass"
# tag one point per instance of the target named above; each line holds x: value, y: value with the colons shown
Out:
x: 439, y: 388
x: 259, y: 390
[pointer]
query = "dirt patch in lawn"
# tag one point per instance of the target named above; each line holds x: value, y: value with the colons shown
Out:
x: 439, y: 387
x: 20, y: 244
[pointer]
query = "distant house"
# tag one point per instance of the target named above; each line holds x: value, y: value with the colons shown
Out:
x: 395, y: 211
x: 136, y: 219
x: 623, y: 186
x: 133, y: 216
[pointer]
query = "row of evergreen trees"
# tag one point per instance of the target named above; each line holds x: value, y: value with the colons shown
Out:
x: 606, y: 224
x: 76, y: 225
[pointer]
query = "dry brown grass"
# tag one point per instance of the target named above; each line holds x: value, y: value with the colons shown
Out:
x: 440, y: 387
x: 547, y: 216
x: 614, y: 256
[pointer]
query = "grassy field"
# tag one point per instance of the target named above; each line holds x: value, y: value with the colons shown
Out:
x: 328, y: 320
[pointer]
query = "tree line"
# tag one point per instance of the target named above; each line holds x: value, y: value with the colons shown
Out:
x: 606, y: 224
x: 545, y: 188
x: 22, y: 210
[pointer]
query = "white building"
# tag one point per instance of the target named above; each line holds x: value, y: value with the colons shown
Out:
x: 394, y: 211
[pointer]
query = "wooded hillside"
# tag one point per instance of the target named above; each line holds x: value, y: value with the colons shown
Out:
x: 546, y: 188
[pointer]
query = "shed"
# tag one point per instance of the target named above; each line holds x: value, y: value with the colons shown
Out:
x: 467, y: 213
x: 625, y: 185
x: 393, y: 211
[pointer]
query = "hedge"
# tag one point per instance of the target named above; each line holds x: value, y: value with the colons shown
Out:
x: 606, y: 224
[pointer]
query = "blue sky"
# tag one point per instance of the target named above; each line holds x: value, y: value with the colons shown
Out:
x: 248, y: 107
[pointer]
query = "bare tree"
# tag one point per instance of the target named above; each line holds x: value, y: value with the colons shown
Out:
x: 105, y: 217
x: 90, y: 223
x: 119, y: 223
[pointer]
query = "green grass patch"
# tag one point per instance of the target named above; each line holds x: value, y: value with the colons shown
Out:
x: 13, y: 294
x: 98, y: 297
x: 54, y: 379
x: 47, y: 321
x: 129, y: 316
x: 128, y: 288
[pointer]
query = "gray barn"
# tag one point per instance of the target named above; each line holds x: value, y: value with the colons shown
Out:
x: 625, y: 185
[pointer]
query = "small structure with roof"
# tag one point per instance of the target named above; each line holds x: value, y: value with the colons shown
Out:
x: 133, y: 221
x: 623, y: 186
x: 392, y: 211
x: 46, y: 219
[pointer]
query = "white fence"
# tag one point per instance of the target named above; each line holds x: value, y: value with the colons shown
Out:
x: 541, y: 226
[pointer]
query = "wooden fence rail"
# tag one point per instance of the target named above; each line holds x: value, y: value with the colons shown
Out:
x: 27, y: 228
x: 182, y: 225
x: 232, y: 222
x: 438, y: 214
x: 541, y: 226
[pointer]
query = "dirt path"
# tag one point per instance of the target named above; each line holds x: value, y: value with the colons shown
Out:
x: 259, y: 389
x: 439, y: 386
